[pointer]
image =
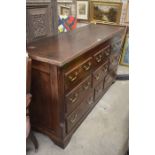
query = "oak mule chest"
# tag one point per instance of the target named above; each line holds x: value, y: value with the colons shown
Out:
x: 70, y: 73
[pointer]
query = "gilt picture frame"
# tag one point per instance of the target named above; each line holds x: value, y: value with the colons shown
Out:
x: 125, y: 53
x: 108, y: 12
x: 82, y: 9
x: 127, y: 13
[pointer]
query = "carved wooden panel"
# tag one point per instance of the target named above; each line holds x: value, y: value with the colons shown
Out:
x: 41, y: 19
x: 37, y: 22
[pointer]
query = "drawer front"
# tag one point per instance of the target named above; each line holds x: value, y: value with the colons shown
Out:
x: 101, y: 56
x: 116, y: 44
x: 117, y: 37
x: 106, y: 52
x: 75, y: 75
x: 100, y: 73
x: 77, y: 114
x: 114, y: 61
x: 98, y: 90
x: 74, y: 97
x: 110, y: 78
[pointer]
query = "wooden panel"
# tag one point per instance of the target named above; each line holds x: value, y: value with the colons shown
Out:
x: 45, y: 97
x: 41, y: 101
x: 44, y: 67
x: 41, y: 19
x: 38, y: 24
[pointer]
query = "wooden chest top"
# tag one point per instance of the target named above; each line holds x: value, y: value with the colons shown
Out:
x: 63, y: 48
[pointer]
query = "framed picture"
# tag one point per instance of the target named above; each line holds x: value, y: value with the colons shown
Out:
x: 108, y: 12
x: 127, y: 13
x: 125, y: 53
x: 64, y: 1
x: 65, y: 10
x: 82, y: 9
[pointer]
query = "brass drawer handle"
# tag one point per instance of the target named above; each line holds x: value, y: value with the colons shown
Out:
x: 74, y: 119
x: 98, y: 58
x: 86, y: 86
x: 105, y: 69
x: 112, y: 60
x: 73, y: 78
x: 90, y: 101
x: 73, y: 99
x: 97, y: 77
x: 107, y: 53
x: 87, y: 67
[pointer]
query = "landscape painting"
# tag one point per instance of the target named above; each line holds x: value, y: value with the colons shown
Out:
x: 108, y: 12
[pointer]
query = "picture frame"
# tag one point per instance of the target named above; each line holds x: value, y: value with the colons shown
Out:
x: 108, y: 12
x: 127, y: 13
x: 65, y: 10
x: 125, y: 53
x: 64, y: 1
x: 82, y: 9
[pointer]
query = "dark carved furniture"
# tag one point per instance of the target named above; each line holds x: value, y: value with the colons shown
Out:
x: 41, y: 19
x: 70, y: 73
x: 29, y: 133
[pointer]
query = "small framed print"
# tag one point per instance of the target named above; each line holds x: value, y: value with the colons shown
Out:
x: 64, y: 10
x: 82, y: 9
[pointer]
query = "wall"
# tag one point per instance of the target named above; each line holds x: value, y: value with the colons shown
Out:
x: 72, y: 4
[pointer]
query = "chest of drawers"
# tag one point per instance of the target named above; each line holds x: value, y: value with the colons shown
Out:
x: 70, y: 73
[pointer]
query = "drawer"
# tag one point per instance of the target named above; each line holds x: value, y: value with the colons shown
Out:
x: 106, y: 52
x: 116, y: 46
x: 100, y: 73
x: 114, y: 61
x: 74, y: 97
x: 116, y: 43
x: 79, y: 112
x: 101, y: 56
x: 75, y: 75
x: 110, y: 78
x: 98, y: 90
x: 117, y: 37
